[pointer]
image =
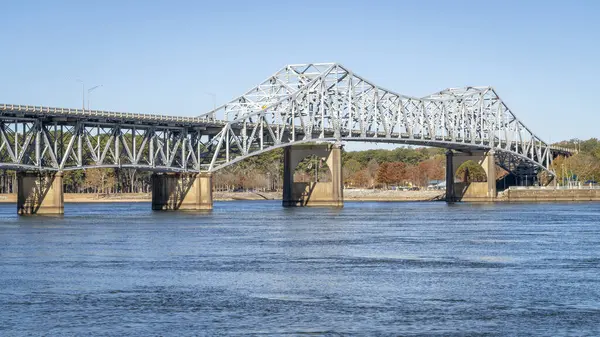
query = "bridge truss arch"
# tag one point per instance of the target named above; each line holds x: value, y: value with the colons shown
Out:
x: 329, y: 102
x: 301, y: 103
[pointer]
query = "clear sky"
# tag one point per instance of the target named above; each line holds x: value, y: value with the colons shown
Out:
x: 164, y: 56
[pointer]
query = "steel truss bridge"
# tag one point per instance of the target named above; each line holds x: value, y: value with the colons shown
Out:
x: 299, y: 103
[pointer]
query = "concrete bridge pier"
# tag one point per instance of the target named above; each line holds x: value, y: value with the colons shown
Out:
x: 474, y: 191
x: 182, y: 191
x: 40, y: 193
x: 326, y: 194
x: 450, y: 176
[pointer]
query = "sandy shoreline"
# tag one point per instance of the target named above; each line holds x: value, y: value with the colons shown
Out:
x: 349, y: 195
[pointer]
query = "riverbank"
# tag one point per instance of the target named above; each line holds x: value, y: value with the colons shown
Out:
x: 512, y: 195
x: 548, y: 194
x: 349, y: 195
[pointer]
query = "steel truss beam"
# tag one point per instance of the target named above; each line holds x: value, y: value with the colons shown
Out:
x: 331, y: 103
x: 37, y: 144
x: 299, y: 103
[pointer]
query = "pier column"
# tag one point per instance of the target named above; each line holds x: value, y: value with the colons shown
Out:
x: 490, y: 171
x: 327, y: 194
x: 190, y: 192
x: 288, y: 178
x: 337, y: 179
x: 40, y: 193
x: 449, y: 176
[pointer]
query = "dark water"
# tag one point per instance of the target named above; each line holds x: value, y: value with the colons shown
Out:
x: 253, y: 268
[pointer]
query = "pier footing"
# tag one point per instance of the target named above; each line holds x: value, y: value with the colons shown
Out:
x: 40, y: 193
x: 471, y: 191
x: 186, y: 192
x: 325, y: 194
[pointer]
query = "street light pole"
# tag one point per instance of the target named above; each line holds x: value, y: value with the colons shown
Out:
x: 89, y: 93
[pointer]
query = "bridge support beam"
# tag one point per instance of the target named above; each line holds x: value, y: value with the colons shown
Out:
x: 186, y: 192
x: 490, y: 172
x: 326, y: 194
x: 40, y: 193
x: 450, y: 176
x: 474, y: 191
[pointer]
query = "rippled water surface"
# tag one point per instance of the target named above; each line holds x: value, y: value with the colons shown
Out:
x: 256, y: 268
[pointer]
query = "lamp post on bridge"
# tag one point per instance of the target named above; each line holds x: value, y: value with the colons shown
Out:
x: 89, y: 91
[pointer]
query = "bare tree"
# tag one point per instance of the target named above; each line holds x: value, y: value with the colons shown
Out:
x: 99, y: 180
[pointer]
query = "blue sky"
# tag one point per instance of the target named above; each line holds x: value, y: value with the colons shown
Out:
x: 163, y: 56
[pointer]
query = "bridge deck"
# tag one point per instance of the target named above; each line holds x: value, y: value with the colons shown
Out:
x: 31, y: 111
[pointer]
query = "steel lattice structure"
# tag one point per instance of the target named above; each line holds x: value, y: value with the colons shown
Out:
x: 299, y: 103
x: 328, y: 102
x: 40, y: 138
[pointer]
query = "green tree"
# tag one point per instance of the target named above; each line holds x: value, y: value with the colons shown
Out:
x: 470, y: 172
x: 73, y: 180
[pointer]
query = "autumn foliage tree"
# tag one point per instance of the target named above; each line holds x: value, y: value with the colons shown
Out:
x: 430, y: 169
x: 350, y: 168
x: 360, y: 178
x: 391, y: 173
x: 383, y: 174
x: 582, y: 167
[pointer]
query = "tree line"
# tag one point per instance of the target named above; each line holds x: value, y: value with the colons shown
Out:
x: 582, y: 167
x: 398, y: 167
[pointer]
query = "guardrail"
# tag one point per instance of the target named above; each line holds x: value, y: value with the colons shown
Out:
x: 563, y: 149
x: 100, y: 113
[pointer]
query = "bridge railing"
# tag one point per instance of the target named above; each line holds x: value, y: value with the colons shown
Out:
x: 100, y: 113
x: 563, y: 149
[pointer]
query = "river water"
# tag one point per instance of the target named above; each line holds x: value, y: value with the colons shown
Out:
x: 255, y: 268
